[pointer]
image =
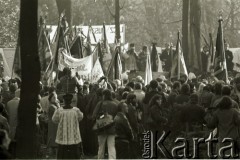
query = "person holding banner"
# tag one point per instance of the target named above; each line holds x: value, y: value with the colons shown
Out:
x: 131, y: 59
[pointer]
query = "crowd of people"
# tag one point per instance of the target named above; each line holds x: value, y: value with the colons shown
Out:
x: 68, y: 112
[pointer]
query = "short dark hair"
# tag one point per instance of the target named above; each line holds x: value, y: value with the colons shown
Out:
x: 176, y: 84
x: 130, y: 97
x: 154, y: 84
x: 131, y: 84
x: 226, y: 90
x: 138, y: 85
x: 107, y: 93
x: 185, y: 89
x: 218, y: 88
x: 225, y: 103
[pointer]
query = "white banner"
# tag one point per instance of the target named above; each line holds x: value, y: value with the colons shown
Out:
x: 97, y: 30
x: 83, y: 65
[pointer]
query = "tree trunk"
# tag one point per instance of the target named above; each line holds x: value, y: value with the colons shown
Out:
x: 194, y: 48
x: 185, y: 29
x: 65, y: 5
x: 26, y: 130
x: 117, y: 20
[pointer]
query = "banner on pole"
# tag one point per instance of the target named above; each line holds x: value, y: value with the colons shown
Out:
x: 83, y: 65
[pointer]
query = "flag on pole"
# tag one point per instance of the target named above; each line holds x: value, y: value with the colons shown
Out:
x: 17, y: 61
x: 76, y: 48
x: 154, y: 58
x: 148, y: 71
x: 115, y: 67
x: 211, y: 53
x: 106, y: 54
x: 89, y: 47
x: 220, y: 67
x: 178, y: 63
x: 159, y: 65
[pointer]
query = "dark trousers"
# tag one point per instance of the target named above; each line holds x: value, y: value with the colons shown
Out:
x: 68, y: 152
x: 122, y: 149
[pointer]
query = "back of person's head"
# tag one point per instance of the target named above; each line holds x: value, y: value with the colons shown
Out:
x: 163, y: 85
x: 226, y: 90
x: 206, y: 88
x: 107, y: 94
x: 130, y: 97
x: 138, y: 86
x: 218, y: 88
x: 17, y: 93
x: 131, y: 84
x: 159, y: 79
x: 176, y: 85
x: 154, y: 84
x: 127, y: 88
x: 99, y: 92
x: 124, y: 95
x: 193, y: 98
x: 185, y: 89
x: 121, y: 106
x: 225, y: 103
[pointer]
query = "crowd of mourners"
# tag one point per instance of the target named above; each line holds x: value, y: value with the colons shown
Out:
x: 67, y: 114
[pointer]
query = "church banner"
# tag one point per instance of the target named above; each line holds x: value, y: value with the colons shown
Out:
x: 83, y: 65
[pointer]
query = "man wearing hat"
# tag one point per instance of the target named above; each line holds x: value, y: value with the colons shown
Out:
x: 131, y: 59
x: 142, y: 58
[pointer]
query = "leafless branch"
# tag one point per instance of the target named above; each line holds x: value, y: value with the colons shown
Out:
x: 105, y: 2
x: 121, y: 7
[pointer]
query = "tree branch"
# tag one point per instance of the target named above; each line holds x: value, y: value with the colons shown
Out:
x: 105, y: 2
x: 122, y: 5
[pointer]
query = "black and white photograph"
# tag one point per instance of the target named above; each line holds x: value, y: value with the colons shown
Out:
x: 119, y: 79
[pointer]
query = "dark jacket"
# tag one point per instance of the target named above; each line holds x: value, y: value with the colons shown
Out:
x: 109, y: 107
x: 182, y: 98
x: 158, y: 116
x: 149, y: 95
x: 192, y: 114
x: 172, y: 97
x: 133, y: 118
x: 123, y: 128
x: 205, y: 99
x: 227, y: 122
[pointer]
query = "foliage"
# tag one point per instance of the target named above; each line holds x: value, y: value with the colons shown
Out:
x: 146, y: 21
x: 9, y: 11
